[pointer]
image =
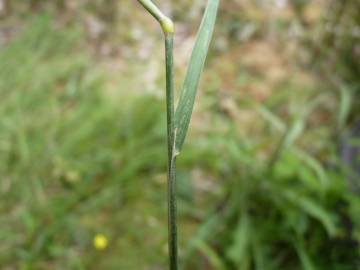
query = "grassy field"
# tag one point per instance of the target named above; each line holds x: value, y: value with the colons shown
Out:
x: 82, y: 153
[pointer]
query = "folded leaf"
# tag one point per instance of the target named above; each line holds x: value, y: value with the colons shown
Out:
x: 192, y: 78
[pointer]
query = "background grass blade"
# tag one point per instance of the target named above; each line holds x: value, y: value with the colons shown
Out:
x: 192, y: 78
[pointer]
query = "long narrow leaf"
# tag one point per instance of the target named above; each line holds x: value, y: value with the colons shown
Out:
x: 192, y: 78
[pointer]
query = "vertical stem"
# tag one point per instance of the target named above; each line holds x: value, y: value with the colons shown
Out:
x: 167, y: 26
x: 172, y: 228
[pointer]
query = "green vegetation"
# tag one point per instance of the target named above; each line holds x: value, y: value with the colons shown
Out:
x: 67, y: 158
x: 82, y: 154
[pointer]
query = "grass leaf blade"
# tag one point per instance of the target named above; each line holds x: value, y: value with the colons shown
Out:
x: 192, y: 78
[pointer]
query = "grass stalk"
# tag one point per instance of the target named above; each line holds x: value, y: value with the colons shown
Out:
x: 178, y: 121
x: 168, y: 29
x: 170, y: 110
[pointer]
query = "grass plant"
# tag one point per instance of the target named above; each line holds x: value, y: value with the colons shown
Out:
x: 178, y: 121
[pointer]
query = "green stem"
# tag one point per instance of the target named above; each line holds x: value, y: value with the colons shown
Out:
x: 172, y: 228
x: 168, y: 27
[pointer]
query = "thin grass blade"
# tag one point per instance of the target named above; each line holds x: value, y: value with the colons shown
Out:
x: 192, y: 78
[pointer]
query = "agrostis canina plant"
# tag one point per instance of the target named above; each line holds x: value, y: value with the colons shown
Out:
x: 178, y: 119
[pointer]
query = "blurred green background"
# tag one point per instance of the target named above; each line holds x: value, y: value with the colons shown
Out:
x: 268, y: 178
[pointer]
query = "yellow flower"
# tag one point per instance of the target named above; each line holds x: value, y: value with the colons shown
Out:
x: 100, y: 242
